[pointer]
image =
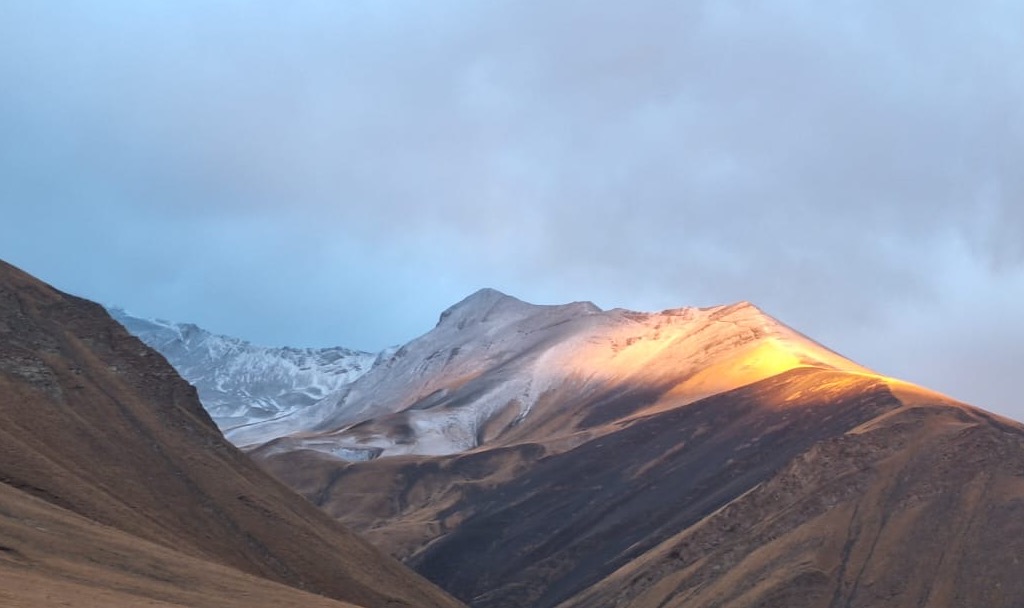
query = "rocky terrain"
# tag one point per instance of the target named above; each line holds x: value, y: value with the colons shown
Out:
x: 117, y: 489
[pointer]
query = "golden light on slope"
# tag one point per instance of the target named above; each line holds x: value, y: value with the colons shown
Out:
x: 742, y: 352
x: 746, y: 366
x: 696, y: 358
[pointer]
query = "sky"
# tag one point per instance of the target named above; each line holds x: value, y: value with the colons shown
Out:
x: 338, y: 173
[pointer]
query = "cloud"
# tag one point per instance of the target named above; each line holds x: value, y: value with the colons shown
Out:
x: 356, y: 167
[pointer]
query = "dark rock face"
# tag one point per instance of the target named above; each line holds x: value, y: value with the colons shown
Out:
x: 578, y: 516
x: 922, y: 507
x: 99, y: 426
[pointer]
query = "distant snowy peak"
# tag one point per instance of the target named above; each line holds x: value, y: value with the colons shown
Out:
x: 239, y: 382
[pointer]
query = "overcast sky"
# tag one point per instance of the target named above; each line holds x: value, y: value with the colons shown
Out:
x: 319, y: 173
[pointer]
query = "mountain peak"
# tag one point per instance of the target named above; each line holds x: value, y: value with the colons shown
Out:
x: 487, y: 296
x: 240, y: 382
x: 488, y: 304
x: 481, y: 306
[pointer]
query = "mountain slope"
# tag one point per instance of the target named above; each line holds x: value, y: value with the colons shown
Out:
x: 923, y: 506
x: 567, y: 456
x: 52, y: 557
x: 96, y: 426
x: 241, y: 383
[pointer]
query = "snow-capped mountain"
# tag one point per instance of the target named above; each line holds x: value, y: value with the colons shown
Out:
x: 239, y: 382
x: 494, y: 365
x: 568, y: 456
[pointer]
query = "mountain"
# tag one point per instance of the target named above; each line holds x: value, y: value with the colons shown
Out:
x: 496, y: 370
x: 522, y: 455
x: 241, y: 383
x: 117, y: 489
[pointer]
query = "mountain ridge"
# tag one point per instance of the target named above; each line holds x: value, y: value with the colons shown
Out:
x: 566, y: 457
x: 492, y: 358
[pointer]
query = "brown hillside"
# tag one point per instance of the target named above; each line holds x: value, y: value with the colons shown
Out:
x: 95, y: 424
x: 52, y: 557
